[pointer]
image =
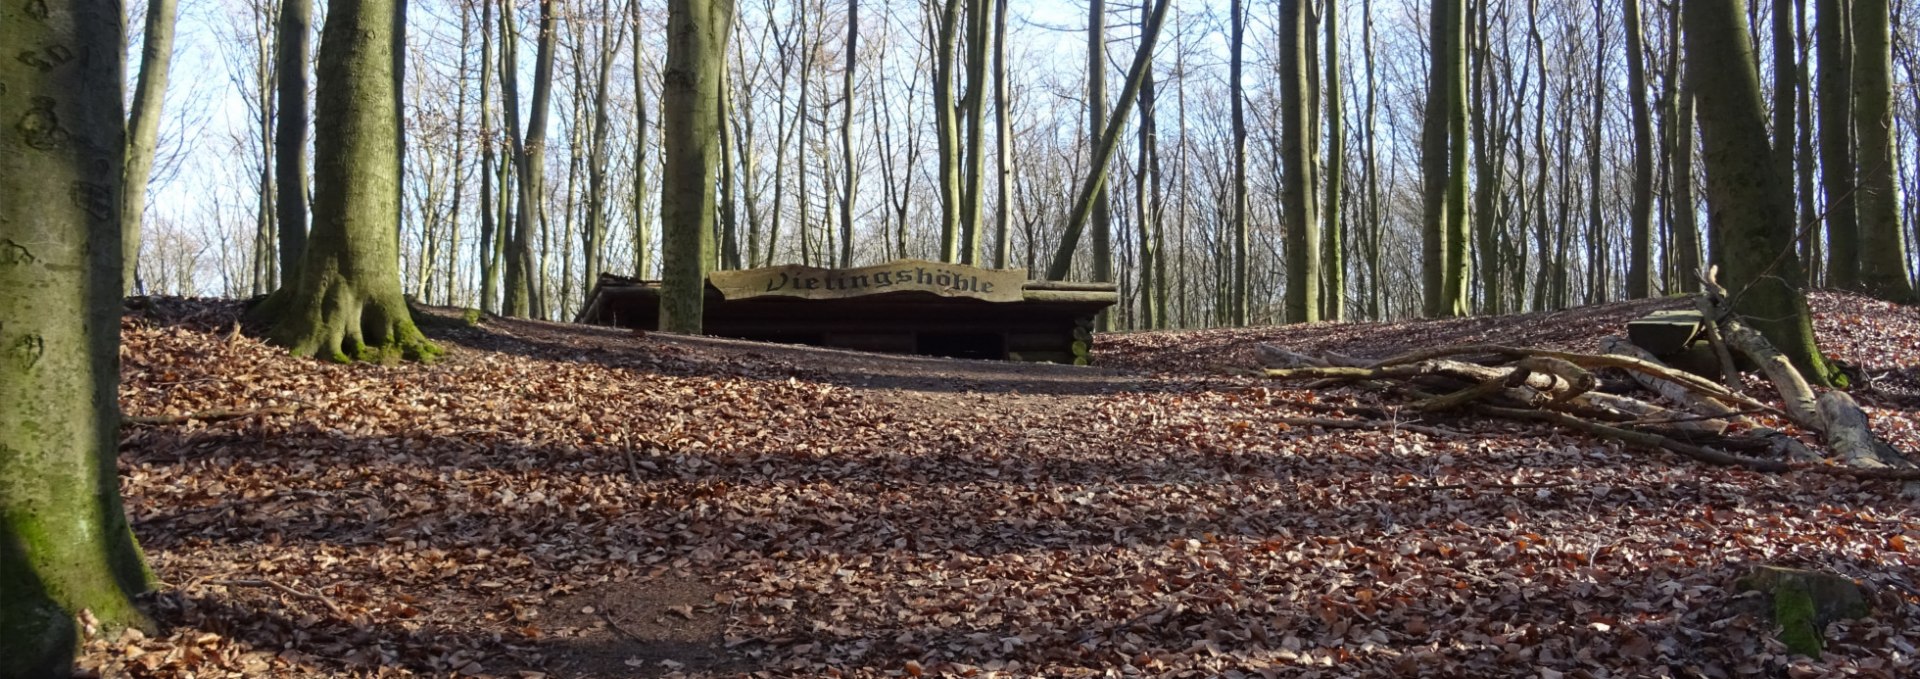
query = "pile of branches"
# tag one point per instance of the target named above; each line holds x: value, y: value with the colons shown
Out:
x: 1689, y: 415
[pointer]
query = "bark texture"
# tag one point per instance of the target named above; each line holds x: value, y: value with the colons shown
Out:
x: 1835, y: 53
x: 292, y: 50
x: 1883, y: 252
x: 1640, y: 269
x: 1746, y: 198
x: 65, y: 545
x: 690, y: 135
x: 143, y: 127
x: 1296, y: 134
x: 346, y: 304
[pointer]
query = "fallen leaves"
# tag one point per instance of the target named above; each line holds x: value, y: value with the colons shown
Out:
x: 870, y: 517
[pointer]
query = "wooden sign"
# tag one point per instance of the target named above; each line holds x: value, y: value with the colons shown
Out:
x: 904, y: 275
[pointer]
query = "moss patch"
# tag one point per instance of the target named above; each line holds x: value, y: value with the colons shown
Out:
x: 1804, y: 601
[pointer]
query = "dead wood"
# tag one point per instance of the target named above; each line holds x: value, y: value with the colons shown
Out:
x: 1689, y: 381
x: 1852, y: 438
x: 1708, y: 408
x: 1729, y: 371
x: 1643, y: 439
x: 332, y: 607
x: 1465, y: 396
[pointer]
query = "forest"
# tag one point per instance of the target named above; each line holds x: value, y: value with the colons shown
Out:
x: 1582, y: 172
x: 1454, y: 338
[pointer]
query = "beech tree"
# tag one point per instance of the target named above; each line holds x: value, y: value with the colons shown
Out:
x: 1835, y: 53
x: 1883, y: 251
x: 346, y: 303
x: 65, y: 543
x: 291, y: 46
x: 1297, y: 135
x: 143, y: 125
x: 1333, y: 294
x: 1745, y: 195
x: 690, y: 134
x: 1443, y: 164
x: 1640, y: 268
x: 1239, y: 279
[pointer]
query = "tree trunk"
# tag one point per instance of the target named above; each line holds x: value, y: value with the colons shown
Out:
x: 1443, y: 163
x: 1883, y: 255
x: 1095, y: 182
x: 290, y: 137
x: 143, y: 127
x: 1433, y: 166
x: 742, y: 141
x: 973, y: 187
x: 1376, y: 307
x: 1597, y: 289
x: 1459, y: 261
x: 848, y: 185
x: 1302, y: 217
x: 1640, y: 269
x: 690, y: 121
x: 729, y: 235
x: 459, y: 160
x: 488, y: 251
x: 1333, y: 293
x: 65, y: 544
x: 1240, y: 278
x: 265, y: 276
x: 947, y: 128
x: 1003, y: 141
x: 1836, y: 142
x: 1686, y: 227
x: 642, y: 221
x: 597, y: 143
x: 1486, y: 182
x: 524, y: 297
x: 1811, y: 243
x: 346, y: 304
x: 1744, y: 191
x: 1096, y: 126
x: 1146, y: 192
x: 1784, y: 102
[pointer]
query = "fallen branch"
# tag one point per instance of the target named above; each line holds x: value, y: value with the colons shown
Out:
x: 1699, y: 453
x: 1851, y: 437
x: 289, y: 591
x: 1729, y: 371
x: 1465, y: 396
x: 1841, y: 422
x: 1636, y: 437
x: 622, y: 631
x: 208, y: 416
x: 1711, y: 408
x: 1689, y: 381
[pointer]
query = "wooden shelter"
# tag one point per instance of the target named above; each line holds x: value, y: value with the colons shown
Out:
x: 905, y: 306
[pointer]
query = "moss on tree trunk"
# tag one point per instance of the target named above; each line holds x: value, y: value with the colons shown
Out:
x: 1747, y: 200
x: 690, y: 126
x: 346, y: 304
x: 65, y: 544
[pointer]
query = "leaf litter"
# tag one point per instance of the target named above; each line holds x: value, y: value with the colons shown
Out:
x: 555, y: 500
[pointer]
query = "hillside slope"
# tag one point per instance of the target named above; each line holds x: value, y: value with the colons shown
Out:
x: 574, y: 501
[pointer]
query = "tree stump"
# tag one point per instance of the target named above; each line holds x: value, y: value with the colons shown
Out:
x: 1804, y: 601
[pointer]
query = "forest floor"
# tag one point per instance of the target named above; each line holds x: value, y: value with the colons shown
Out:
x: 571, y: 501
